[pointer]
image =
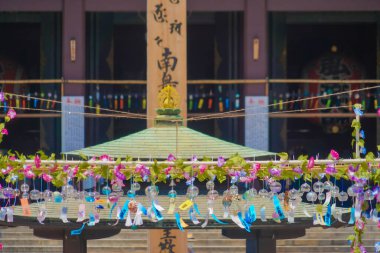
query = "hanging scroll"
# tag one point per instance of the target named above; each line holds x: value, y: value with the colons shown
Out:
x: 167, y: 35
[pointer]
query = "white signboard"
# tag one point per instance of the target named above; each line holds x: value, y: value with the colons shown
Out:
x: 72, y: 123
x: 257, y: 122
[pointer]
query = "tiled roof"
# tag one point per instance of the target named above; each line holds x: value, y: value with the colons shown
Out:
x: 159, y: 142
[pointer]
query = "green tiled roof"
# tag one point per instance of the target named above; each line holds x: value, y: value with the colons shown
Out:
x: 159, y: 142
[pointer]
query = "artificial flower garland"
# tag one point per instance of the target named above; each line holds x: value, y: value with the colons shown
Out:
x: 363, y: 173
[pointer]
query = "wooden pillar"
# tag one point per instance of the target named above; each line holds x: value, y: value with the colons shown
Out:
x: 278, y: 127
x: 261, y: 244
x: 74, y: 244
x: 166, y: 56
x: 73, y: 67
x: 255, y: 29
x: 73, y: 46
x: 256, y: 67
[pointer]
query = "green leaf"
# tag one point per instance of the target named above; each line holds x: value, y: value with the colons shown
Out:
x: 83, y: 156
x: 351, y: 238
x: 370, y: 157
x: 283, y: 156
x: 7, y: 119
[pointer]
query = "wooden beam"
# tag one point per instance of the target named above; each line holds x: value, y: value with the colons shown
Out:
x: 215, y: 5
x: 140, y: 5
x: 115, y: 5
x: 323, y: 5
x: 31, y: 5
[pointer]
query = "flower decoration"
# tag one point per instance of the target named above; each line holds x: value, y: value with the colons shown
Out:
x: 334, y: 155
x: 221, y: 161
x: 117, y: 172
x: 310, y: 163
x: 37, y: 161
x: 2, y: 97
x: 171, y: 158
x: 202, y: 168
x: 297, y: 170
x: 275, y: 172
x: 330, y: 169
x: 11, y: 113
x: 47, y: 178
x: 4, y: 131
x: 105, y: 158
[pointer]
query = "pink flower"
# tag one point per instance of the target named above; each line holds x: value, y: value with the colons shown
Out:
x: 330, y: 170
x: 2, y: 97
x: 29, y: 174
x: 73, y: 171
x: 37, y: 161
x: 298, y: 170
x: 11, y: 113
x: 12, y: 158
x: 310, y: 163
x: 117, y: 172
x: 171, y: 158
x: 334, y: 154
x: 221, y: 161
x: 202, y: 168
x: 88, y: 173
x: 168, y: 169
x: 105, y: 158
x: 246, y: 179
x: 66, y: 168
x: 4, y: 131
x: 47, y: 178
x: 117, y: 182
x: 254, y: 169
x: 275, y: 172
x: 359, y: 224
x: 6, y: 171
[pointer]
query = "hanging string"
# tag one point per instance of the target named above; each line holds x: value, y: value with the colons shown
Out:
x: 287, y: 102
x: 77, y: 113
x: 84, y: 106
x: 242, y: 115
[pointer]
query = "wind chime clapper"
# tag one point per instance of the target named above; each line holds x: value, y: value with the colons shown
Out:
x: 28, y: 102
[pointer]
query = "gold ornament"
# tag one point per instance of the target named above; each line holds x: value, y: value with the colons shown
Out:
x: 168, y: 98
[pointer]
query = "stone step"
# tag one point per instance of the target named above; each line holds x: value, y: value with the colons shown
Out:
x: 337, y: 235
x: 125, y: 243
x: 372, y: 228
x: 216, y: 242
x: 118, y: 250
x: 303, y: 249
x: 16, y: 235
x: 30, y: 248
x: 320, y: 242
x: 35, y: 242
x: 218, y: 249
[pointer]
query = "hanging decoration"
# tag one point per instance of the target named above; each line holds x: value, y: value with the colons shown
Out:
x: 318, y: 182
